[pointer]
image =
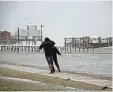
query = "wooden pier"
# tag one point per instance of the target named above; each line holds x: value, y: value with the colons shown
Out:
x: 86, y: 43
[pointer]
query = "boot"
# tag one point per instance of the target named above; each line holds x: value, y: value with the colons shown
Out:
x: 59, y: 69
x: 53, y: 69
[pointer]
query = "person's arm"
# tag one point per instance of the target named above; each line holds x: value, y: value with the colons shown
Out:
x: 41, y: 46
x: 57, y: 51
x: 53, y: 42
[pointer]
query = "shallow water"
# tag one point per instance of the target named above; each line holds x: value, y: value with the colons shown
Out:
x: 100, y: 64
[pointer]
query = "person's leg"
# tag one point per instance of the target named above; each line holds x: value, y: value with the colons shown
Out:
x: 48, y: 60
x: 56, y: 62
x: 53, y: 69
x: 50, y: 63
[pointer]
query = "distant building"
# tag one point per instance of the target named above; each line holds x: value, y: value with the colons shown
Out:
x: 5, y: 37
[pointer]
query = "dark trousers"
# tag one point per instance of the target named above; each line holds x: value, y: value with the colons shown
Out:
x: 55, y: 61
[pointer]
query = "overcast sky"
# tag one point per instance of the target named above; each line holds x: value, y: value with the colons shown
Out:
x: 60, y: 19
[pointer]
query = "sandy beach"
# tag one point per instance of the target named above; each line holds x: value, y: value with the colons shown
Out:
x: 13, y: 79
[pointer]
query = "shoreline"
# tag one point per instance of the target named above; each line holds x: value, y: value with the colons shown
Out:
x: 64, y: 71
x: 51, y: 80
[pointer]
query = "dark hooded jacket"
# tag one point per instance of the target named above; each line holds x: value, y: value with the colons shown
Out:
x: 48, y: 47
x: 55, y: 51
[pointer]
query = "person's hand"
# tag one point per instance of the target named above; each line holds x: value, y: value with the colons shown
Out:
x: 61, y: 55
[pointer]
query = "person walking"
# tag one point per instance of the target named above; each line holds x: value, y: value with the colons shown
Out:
x: 47, y: 46
x: 55, y: 52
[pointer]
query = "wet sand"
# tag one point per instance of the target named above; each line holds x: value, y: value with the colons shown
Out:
x: 63, y: 71
x: 18, y: 84
x: 50, y: 80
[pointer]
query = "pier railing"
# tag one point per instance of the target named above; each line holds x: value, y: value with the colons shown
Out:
x: 86, y: 44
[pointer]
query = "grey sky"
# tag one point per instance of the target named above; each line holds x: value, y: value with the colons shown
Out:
x: 60, y: 19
